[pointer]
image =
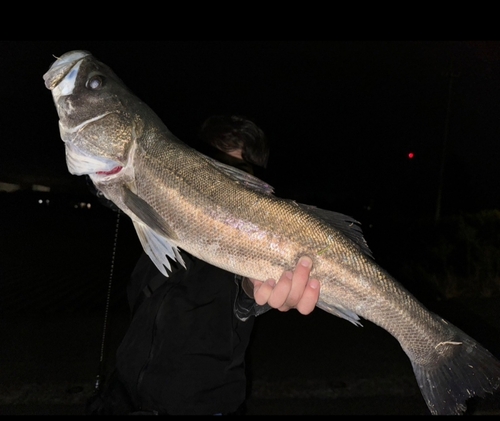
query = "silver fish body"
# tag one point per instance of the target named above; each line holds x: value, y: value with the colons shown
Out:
x: 179, y: 198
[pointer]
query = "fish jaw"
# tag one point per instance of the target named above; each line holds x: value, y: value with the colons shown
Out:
x: 59, y: 71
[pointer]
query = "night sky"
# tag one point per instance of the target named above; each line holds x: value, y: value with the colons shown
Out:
x: 342, y: 116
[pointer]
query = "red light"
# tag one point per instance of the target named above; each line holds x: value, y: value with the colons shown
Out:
x: 411, y: 155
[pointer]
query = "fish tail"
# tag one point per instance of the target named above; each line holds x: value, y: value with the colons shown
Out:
x: 465, y: 369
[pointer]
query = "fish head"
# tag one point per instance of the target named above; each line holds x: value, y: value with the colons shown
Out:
x: 99, y: 118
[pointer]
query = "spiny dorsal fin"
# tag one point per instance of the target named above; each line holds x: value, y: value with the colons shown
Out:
x: 241, y: 176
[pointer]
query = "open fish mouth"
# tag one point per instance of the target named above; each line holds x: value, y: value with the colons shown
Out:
x: 62, y: 67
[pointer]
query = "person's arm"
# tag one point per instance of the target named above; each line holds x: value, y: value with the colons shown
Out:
x: 294, y: 290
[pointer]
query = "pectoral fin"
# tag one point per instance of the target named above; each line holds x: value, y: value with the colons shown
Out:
x: 144, y: 212
x: 158, y: 248
x: 155, y: 235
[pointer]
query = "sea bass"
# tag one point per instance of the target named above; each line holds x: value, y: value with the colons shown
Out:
x: 179, y: 198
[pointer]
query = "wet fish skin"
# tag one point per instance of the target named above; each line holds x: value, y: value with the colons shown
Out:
x: 179, y: 198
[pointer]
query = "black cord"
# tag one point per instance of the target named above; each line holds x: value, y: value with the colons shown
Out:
x: 100, y: 374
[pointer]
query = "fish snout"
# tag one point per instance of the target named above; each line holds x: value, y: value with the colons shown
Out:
x: 62, y: 67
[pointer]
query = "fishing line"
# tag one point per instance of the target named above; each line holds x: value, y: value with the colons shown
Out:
x: 100, y: 376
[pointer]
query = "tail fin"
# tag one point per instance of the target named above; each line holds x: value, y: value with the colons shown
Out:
x: 470, y: 370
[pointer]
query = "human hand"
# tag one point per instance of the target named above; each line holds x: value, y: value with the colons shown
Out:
x: 294, y: 289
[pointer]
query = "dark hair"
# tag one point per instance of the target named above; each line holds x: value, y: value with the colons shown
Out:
x: 230, y: 132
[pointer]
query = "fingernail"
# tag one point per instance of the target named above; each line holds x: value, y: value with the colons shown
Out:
x: 289, y: 274
x: 314, y: 283
x: 305, y: 261
x: 271, y: 282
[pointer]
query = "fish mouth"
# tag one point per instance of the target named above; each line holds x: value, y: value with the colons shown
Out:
x: 62, y: 67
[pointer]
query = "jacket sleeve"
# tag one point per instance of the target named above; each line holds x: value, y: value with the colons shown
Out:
x: 244, y: 305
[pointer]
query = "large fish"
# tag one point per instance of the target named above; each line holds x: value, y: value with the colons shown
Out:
x: 179, y: 198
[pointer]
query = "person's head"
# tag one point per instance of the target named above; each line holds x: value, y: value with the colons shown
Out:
x: 239, y: 139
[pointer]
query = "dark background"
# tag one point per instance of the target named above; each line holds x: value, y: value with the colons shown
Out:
x: 342, y: 117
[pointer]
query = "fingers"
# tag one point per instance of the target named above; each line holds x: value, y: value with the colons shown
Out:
x: 265, y: 292
x: 294, y: 289
x: 281, y: 291
x: 300, y: 279
x: 262, y: 290
x: 309, y: 298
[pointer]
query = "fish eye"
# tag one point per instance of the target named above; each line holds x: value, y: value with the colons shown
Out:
x: 95, y: 82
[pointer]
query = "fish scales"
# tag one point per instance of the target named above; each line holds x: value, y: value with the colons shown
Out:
x: 230, y: 221
x: 179, y: 198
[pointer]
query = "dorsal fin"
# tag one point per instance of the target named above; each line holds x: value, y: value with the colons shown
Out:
x: 241, y: 176
x: 344, y: 223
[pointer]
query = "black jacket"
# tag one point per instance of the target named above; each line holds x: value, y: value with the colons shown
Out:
x: 184, y: 352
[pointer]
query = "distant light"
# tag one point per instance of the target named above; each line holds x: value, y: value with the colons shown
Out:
x: 411, y: 155
x: 9, y: 187
x: 39, y: 187
x: 82, y: 205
